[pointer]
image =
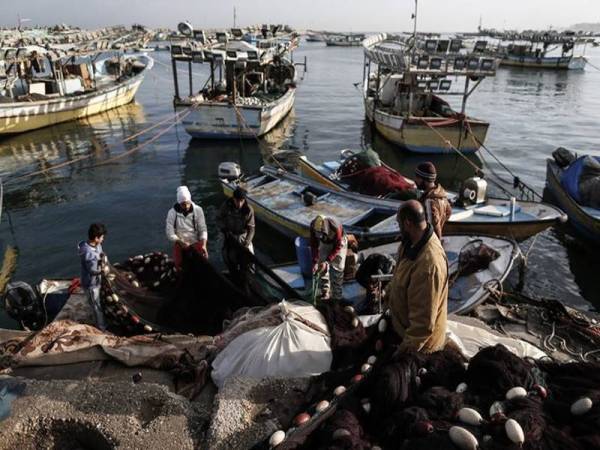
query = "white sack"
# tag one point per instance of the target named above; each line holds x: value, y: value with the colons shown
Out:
x: 471, y: 339
x: 291, y: 349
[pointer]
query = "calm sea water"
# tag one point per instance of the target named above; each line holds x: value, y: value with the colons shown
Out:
x: 531, y: 113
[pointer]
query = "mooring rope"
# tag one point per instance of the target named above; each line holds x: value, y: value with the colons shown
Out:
x: 478, y: 170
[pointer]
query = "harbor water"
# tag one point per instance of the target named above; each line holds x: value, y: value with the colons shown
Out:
x: 531, y: 113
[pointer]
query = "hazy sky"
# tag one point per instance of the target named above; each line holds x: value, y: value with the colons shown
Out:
x: 358, y: 15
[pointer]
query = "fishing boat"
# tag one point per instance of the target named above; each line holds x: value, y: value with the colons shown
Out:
x: 250, y: 89
x: 314, y: 36
x: 288, y: 204
x: 542, y: 50
x: 492, y: 216
x: 52, y: 88
x: 584, y: 219
x: 466, y: 290
x: 344, y: 40
x: 403, y: 95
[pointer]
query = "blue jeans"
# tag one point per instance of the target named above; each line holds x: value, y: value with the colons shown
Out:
x: 93, y: 295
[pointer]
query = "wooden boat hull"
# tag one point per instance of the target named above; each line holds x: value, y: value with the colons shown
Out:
x: 26, y: 116
x: 219, y: 120
x: 555, y: 63
x: 545, y: 217
x: 465, y: 293
x: 420, y: 138
x: 583, y: 222
x: 293, y: 223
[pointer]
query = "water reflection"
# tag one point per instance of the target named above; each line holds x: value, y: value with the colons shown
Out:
x: 41, y: 149
x: 200, y: 164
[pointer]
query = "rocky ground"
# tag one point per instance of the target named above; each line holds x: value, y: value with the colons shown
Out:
x: 98, y: 415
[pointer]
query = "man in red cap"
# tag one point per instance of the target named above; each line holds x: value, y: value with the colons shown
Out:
x: 434, y: 197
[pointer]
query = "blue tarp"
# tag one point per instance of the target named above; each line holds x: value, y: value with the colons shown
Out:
x: 570, y: 178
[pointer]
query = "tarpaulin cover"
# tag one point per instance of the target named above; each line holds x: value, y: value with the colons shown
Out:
x: 571, y: 177
x: 299, y: 346
x: 379, y: 181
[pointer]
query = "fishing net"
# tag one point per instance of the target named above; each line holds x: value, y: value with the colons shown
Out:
x: 147, y: 293
x: 407, y: 400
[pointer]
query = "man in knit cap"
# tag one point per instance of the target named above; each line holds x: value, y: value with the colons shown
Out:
x: 434, y: 197
x: 186, y: 227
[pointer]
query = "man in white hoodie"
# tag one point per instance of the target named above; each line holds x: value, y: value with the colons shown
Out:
x: 186, y: 227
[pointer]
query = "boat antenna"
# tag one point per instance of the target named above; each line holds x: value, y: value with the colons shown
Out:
x: 414, y: 17
x: 234, y: 17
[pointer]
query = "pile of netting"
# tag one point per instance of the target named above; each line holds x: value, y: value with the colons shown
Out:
x: 146, y: 293
x: 406, y: 400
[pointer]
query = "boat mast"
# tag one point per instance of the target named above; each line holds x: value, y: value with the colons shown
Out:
x: 234, y: 17
x: 412, y: 57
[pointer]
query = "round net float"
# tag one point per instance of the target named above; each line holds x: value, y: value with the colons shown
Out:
x: 115, y: 298
x: 301, y: 419
x: 581, y: 406
x: 355, y: 322
x: 156, y: 284
x: 516, y: 392
x: 422, y: 371
x: 365, y: 368
x: 147, y: 328
x: 463, y: 438
x: 135, y: 319
x: 357, y: 378
x: 140, y: 269
x: 111, y: 276
x: 541, y: 391
x: 470, y: 416
x: 349, y: 309
x: 277, y: 438
x: 135, y: 283
x: 497, y: 407
x: 367, y: 407
x: 371, y: 359
x: 147, y: 260
x: 340, y: 433
x: 322, y: 406
x: 462, y: 387
x: 339, y: 390
x: 514, y: 431
x: 424, y: 427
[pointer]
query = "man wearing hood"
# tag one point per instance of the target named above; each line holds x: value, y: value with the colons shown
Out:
x: 185, y: 226
x: 434, y: 197
x: 90, y: 254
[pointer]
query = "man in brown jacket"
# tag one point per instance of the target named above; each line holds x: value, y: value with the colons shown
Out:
x: 434, y: 198
x: 418, y: 293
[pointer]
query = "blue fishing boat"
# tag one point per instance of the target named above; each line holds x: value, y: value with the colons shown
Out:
x: 584, y: 219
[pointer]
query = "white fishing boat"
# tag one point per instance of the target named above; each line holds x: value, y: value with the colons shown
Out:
x: 250, y: 88
x: 542, y: 50
x: 344, y: 40
x: 403, y: 86
x: 55, y: 88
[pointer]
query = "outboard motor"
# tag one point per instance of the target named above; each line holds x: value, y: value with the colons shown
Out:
x: 230, y: 171
x: 473, y: 191
x: 23, y: 304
